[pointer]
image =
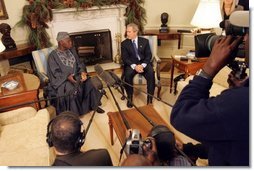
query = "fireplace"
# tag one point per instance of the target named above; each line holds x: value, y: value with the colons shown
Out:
x: 95, y: 18
x: 93, y: 46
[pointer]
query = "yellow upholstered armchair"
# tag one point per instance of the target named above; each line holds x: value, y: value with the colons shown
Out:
x: 23, y: 137
x: 139, y: 79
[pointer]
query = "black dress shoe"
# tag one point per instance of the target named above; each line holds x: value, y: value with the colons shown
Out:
x: 129, y: 105
x: 149, y: 100
x: 100, y: 110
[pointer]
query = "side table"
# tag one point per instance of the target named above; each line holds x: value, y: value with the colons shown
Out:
x: 22, y: 49
x: 188, y: 67
x: 11, y: 57
x: 171, y: 35
x: 26, y: 92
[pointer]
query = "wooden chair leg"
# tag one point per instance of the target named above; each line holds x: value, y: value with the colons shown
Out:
x: 122, y: 90
x: 111, y: 131
x: 159, y: 91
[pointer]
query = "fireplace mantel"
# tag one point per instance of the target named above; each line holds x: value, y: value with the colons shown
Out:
x: 99, y: 10
x: 95, y: 18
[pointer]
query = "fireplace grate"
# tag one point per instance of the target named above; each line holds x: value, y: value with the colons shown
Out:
x: 93, y: 46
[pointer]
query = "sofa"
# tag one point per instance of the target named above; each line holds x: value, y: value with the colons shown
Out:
x: 219, y: 82
x: 23, y: 137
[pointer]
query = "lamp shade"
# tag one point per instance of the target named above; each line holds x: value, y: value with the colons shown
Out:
x: 207, y: 15
x: 2, y: 47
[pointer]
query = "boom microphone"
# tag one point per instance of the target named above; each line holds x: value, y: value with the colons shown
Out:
x: 116, y: 78
x: 98, y: 85
x: 119, y: 82
x: 104, y: 75
x: 116, y: 82
x: 97, y: 82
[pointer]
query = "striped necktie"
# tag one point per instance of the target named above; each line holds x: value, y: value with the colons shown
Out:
x: 136, y: 49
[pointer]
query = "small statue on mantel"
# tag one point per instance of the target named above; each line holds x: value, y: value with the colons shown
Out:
x: 7, y: 41
x: 164, y: 19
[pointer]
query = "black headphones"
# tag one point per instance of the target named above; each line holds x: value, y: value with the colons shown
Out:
x: 81, y: 137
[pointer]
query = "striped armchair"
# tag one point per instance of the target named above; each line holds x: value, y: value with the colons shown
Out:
x: 40, y: 58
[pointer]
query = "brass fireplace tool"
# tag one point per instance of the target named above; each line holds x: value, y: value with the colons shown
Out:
x: 118, y: 39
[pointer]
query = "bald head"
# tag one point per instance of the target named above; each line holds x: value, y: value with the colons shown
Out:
x: 136, y: 160
x: 65, y: 132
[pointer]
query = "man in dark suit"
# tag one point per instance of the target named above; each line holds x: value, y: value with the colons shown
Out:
x: 136, y: 56
x: 66, y: 134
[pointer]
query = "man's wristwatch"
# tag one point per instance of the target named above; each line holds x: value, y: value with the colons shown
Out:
x: 203, y: 74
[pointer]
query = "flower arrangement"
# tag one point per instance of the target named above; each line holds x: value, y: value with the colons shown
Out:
x: 38, y: 12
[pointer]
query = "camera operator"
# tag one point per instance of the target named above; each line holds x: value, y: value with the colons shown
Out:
x: 221, y: 122
x: 159, y: 148
x: 66, y: 134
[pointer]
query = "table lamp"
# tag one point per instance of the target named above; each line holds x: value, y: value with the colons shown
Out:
x: 207, y: 15
x: 2, y: 47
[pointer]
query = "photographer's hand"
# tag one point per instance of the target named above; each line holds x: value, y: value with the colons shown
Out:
x: 150, y: 152
x: 179, y: 144
x: 128, y: 133
x: 221, y: 55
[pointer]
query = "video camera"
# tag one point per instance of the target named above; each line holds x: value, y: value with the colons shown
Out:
x: 205, y: 42
x: 135, y: 144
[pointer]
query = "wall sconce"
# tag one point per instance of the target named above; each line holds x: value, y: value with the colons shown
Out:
x: 2, y: 47
x: 207, y: 15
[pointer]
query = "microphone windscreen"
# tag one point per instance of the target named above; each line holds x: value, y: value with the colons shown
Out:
x: 98, y: 69
x: 104, y: 75
x: 115, y: 77
x: 97, y: 83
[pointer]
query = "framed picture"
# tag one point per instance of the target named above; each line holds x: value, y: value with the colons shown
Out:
x: 3, y: 12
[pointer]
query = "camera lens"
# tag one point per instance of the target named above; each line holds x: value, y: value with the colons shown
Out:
x: 210, y: 41
x: 204, y: 44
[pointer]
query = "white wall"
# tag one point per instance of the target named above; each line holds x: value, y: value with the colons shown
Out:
x: 14, y: 9
x: 180, y: 11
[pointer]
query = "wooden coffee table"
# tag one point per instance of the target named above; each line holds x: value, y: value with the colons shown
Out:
x: 135, y: 120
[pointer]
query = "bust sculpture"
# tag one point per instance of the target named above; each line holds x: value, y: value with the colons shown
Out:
x: 7, y: 41
x: 164, y: 19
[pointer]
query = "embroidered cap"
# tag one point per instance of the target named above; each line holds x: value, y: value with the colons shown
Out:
x: 62, y: 35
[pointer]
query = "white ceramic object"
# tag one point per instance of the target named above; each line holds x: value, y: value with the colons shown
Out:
x: 10, y: 85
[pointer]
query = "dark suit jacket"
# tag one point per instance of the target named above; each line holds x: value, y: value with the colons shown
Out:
x: 99, y: 157
x: 128, y: 52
